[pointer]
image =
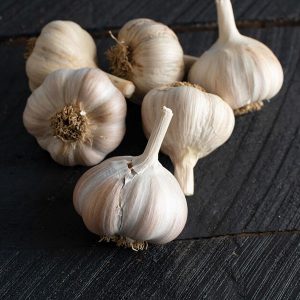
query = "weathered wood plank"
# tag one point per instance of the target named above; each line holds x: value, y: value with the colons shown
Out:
x: 27, y: 18
x: 250, y: 184
x: 250, y: 267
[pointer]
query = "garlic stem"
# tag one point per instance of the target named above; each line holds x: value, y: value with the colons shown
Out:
x: 184, y: 173
x: 226, y: 21
x: 189, y: 60
x: 151, y: 151
x: 126, y: 87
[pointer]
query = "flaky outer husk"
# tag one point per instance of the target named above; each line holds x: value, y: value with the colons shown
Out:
x: 255, y: 106
x: 125, y: 242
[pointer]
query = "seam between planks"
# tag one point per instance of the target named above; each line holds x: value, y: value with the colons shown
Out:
x: 178, y: 28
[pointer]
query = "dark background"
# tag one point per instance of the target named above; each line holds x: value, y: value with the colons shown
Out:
x: 242, y: 238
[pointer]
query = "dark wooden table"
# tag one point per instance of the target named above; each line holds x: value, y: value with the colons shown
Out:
x: 242, y: 239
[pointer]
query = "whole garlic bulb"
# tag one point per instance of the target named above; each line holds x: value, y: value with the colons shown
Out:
x: 241, y: 70
x: 133, y: 200
x: 78, y: 116
x: 65, y: 45
x: 148, y: 53
x: 202, y: 122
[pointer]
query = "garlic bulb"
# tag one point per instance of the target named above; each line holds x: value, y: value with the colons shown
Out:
x: 239, y: 69
x: 65, y: 45
x: 78, y: 116
x: 202, y: 122
x: 133, y: 200
x: 147, y: 53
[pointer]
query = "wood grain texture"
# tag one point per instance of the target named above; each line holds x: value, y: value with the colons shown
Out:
x: 251, y: 184
x: 249, y: 267
x: 28, y: 17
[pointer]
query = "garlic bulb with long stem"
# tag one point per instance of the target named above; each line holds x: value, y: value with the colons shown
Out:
x: 202, y: 122
x: 133, y: 200
x: 148, y: 53
x: 241, y: 70
x: 78, y: 116
x: 64, y: 45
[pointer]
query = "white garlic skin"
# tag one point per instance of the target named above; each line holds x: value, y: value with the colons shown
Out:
x: 98, y: 99
x: 156, y: 55
x: 133, y: 198
x: 239, y: 69
x: 61, y: 45
x: 201, y: 123
x: 144, y: 207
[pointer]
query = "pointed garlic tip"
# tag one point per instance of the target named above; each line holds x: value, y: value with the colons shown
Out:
x: 126, y: 87
x: 158, y: 133
x: 226, y: 21
x: 184, y: 173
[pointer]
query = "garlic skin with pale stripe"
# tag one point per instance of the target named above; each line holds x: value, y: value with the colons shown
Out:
x: 148, y: 53
x: 202, y: 122
x: 133, y: 200
x: 78, y: 116
x: 65, y: 45
x: 239, y: 69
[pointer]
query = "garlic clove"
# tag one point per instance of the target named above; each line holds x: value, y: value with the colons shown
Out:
x: 133, y: 200
x: 78, y: 116
x: 241, y: 70
x: 202, y: 122
x: 65, y: 45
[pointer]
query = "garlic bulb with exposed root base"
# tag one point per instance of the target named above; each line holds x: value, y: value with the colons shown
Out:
x: 65, y: 45
x: 241, y: 70
x: 133, y: 200
x: 202, y: 122
x: 78, y: 116
x: 148, y: 53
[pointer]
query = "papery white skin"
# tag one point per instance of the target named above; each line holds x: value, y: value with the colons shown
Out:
x: 156, y: 54
x: 133, y: 197
x: 92, y: 91
x: 202, y: 122
x: 65, y: 45
x: 241, y: 70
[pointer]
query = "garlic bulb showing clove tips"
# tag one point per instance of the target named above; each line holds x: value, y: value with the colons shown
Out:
x: 147, y: 53
x: 202, y: 122
x: 241, y: 70
x: 78, y: 116
x: 133, y: 200
x: 65, y: 45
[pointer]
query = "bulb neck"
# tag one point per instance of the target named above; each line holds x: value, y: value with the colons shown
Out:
x: 226, y: 21
x: 151, y: 151
x: 184, y: 173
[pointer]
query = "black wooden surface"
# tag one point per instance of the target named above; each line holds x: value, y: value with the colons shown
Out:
x: 251, y: 184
